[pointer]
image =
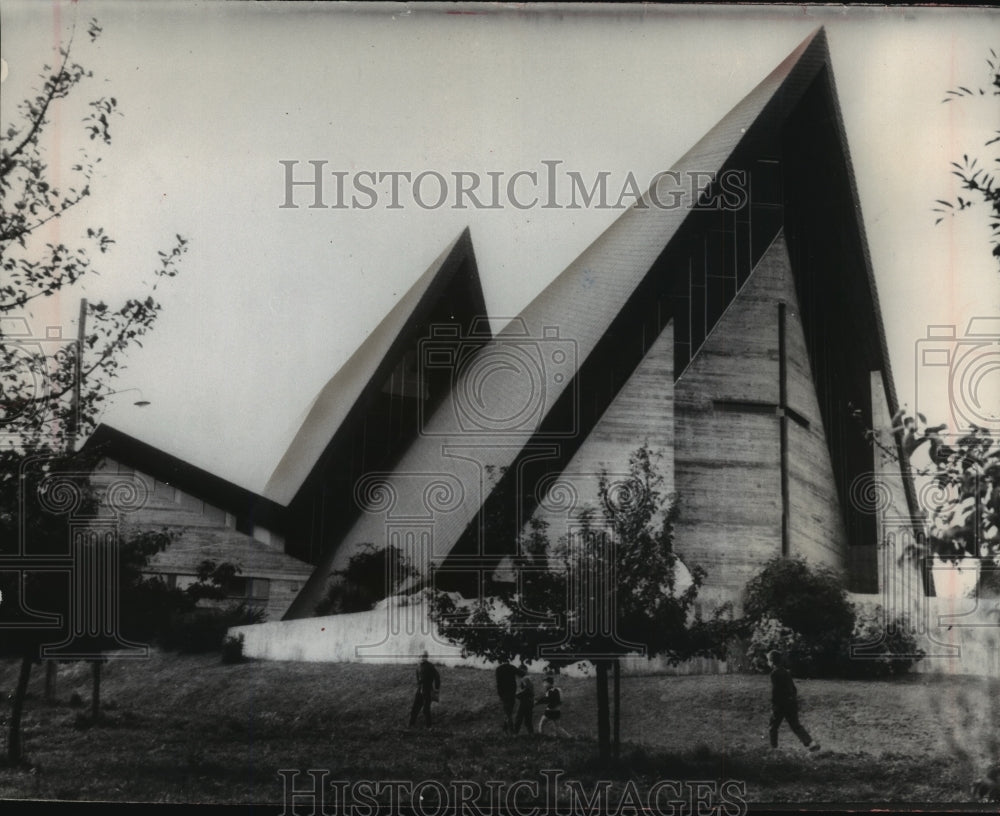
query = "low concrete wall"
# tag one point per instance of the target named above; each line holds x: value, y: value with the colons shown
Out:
x: 957, y: 635
x: 351, y: 638
x: 394, y: 634
x: 960, y: 636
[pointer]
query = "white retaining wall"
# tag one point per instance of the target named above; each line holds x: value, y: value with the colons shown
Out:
x: 959, y: 636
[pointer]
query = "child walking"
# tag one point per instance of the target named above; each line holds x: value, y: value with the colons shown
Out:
x: 553, y: 700
x: 784, y: 702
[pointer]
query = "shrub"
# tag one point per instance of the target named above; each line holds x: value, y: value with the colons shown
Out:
x: 804, y: 612
x: 232, y: 648
x: 770, y: 633
x: 365, y: 582
x: 881, y: 647
x: 203, y: 629
x: 809, y: 601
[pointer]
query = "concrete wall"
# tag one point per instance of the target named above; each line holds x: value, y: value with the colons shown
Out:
x: 352, y: 638
x: 727, y: 460
x: 642, y: 411
x: 899, y: 579
x: 958, y: 635
x: 399, y: 635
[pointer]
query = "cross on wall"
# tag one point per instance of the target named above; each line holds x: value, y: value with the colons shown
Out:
x: 784, y: 412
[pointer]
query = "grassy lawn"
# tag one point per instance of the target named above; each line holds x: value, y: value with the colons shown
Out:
x: 190, y: 729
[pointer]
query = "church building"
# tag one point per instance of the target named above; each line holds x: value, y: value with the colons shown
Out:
x: 735, y: 330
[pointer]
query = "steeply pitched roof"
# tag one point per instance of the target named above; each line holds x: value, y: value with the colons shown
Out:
x: 249, y: 507
x: 574, y: 314
x: 365, y: 372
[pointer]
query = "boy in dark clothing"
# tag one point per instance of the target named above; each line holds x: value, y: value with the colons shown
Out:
x: 428, y: 684
x: 525, y: 701
x: 784, y: 703
x: 552, y: 714
x: 507, y: 691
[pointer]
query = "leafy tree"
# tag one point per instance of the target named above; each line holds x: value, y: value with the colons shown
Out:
x: 49, y: 399
x: 366, y: 580
x: 960, y: 490
x: 961, y: 469
x: 193, y: 619
x: 811, y: 610
x: 610, y: 590
x: 962, y: 516
x: 49, y: 396
x: 977, y: 178
x: 24, y: 629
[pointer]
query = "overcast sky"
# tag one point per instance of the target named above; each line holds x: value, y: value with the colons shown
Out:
x: 271, y: 301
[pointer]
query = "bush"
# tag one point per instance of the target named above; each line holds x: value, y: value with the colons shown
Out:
x: 810, y: 602
x: 365, y: 582
x: 803, y: 612
x: 770, y: 633
x: 204, y: 629
x: 882, y: 648
x: 232, y: 649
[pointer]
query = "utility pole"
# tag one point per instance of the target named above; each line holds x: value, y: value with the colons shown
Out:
x: 74, y: 419
x: 73, y: 430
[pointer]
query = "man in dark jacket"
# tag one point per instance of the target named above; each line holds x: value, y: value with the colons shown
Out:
x: 428, y: 684
x: 784, y: 702
x: 507, y: 691
x: 525, y: 701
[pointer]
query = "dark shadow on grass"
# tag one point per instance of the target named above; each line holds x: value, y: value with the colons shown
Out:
x: 118, y: 719
x: 764, y: 767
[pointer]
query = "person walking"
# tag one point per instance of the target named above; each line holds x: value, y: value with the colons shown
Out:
x: 506, y: 676
x: 428, y: 688
x: 525, y: 701
x: 552, y: 697
x: 784, y: 702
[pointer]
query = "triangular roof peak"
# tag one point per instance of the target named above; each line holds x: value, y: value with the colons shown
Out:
x: 348, y: 392
x: 581, y: 311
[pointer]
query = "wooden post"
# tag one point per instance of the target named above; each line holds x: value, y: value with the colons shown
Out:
x: 50, y: 681
x: 95, y: 697
x: 603, y: 724
x: 15, y: 748
x: 78, y: 376
x: 618, y: 709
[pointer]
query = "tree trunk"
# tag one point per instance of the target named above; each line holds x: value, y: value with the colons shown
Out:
x: 50, y: 681
x: 95, y: 697
x: 603, y: 719
x: 618, y: 711
x: 14, y: 747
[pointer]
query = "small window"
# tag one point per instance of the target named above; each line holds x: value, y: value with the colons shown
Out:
x: 253, y: 591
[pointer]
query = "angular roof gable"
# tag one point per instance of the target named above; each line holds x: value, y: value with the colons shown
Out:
x: 580, y: 307
x: 364, y: 373
x: 249, y: 507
